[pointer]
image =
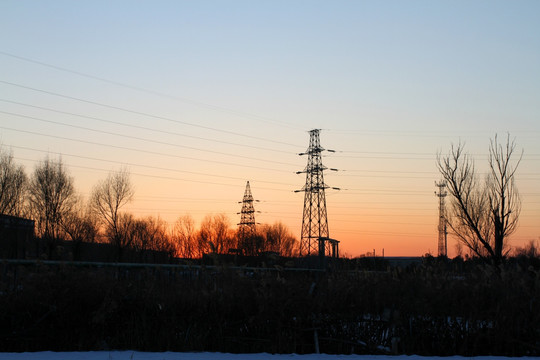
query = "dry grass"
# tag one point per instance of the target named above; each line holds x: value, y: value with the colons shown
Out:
x: 438, y: 308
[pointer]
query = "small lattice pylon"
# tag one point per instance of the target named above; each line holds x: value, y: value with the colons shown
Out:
x: 247, y: 226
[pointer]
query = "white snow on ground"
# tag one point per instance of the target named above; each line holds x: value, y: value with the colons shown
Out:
x: 137, y: 355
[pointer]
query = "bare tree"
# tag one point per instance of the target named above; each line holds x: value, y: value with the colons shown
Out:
x: 142, y: 235
x: 13, y: 182
x: 278, y: 238
x: 531, y: 249
x: 484, y: 212
x: 215, y: 235
x: 108, y: 197
x: 161, y: 240
x: 51, y: 197
x: 151, y: 234
x: 80, y: 224
x: 184, y: 237
x: 124, y: 233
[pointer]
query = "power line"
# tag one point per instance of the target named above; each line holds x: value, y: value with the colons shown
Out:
x: 138, y: 150
x: 362, y: 191
x: 404, y: 234
x: 337, y: 154
x: 137, y: 126
x: 413, y: 172
x: 149, y: 166
x: 390, y: 171
x: 385, y: 157
x: 166, y: 132
x: 390, y: 191
x: 420, y: 133
x: 153, y: 92
x: 127, y: 148
x: 336, y: 205
x: 519, y: 176
x: 153, y: 153
x: 387, y: 176
x: 155, y: 176
x: 384, y: 153
x: 269, y: 213
x: 419, y: 193
x: 145, y: 114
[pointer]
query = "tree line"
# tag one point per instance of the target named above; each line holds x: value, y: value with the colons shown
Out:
x: 483, y: 212
x: 48, y: 196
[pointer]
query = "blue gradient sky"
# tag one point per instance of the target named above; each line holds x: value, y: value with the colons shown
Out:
x: 202, y: 96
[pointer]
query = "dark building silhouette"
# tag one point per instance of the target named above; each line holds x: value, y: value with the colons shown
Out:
x: 16, y: 237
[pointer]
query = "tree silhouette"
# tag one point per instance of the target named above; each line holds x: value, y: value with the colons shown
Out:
x: 51, y: 197
x: 184, y: 237
x: 484, y: 213
x: 108, y: 197
x: 214, y: 235
x: 13, y: 183
x: 79, y: 225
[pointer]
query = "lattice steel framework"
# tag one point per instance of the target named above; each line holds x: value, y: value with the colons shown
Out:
x: 443, y: 233
x: 314, y: 220
x: 246, y: 226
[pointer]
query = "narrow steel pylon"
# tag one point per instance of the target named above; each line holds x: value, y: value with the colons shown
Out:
x: 314, y: 220
x: 442, y: 243
x: 247, y: 225
x: 247, y: 218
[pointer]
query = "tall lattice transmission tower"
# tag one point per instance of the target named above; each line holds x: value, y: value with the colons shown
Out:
x: 441, y: 194
x: 314, y: 220
x: 246, y: 227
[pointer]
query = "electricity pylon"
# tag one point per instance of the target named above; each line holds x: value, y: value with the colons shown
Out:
x: 246, y: 227
x: 314, y: 220
x: 441, y: 194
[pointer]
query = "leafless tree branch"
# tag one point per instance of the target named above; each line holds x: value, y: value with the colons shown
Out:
x: 483, y: 213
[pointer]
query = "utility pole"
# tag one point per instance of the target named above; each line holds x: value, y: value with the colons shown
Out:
x: 246, y: 227
x: 315, y: 235
x: 441, y: 194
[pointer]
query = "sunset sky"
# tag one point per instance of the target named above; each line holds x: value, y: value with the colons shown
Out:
x: 197, y: 97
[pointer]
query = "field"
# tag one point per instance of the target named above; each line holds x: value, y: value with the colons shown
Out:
x: 436, y: 308
x: 134, y: 355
